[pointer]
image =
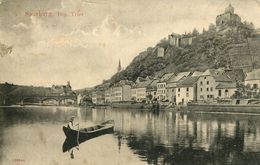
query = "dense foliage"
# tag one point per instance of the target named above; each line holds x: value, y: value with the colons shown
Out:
x: 208, y: 50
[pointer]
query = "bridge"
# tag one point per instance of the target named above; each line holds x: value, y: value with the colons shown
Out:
x: 49, y: 100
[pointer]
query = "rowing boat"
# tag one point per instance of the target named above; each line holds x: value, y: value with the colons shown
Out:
x: 89, y: 132
x: 75, y: 137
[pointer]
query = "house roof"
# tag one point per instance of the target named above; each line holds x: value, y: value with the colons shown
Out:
x: 196, y: 73
x: 123, y: 82
x: 166, y: 77
x: 225, y: 85
x: 218, y: 74
x: 178, y: 77
x: 254, y: 75
x: 222, y: 78
x: 153, y: 84
x: 171, y: 85
x: 143, y: 84
x: 236, y: 74
x: 139, y: 79
x: 188, y: 82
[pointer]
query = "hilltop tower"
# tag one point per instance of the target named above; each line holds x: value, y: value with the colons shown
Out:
x: 227, y: 20
x: 119, y: 68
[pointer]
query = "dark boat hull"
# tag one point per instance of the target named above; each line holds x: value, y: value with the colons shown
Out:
x: 74, y: 137
x: 74, y: 134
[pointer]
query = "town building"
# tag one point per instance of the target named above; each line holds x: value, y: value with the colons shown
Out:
x: 253, y: 78
x: 62, y: 90
x: 236, y: 75
x: 172, y: 84
x: 139, y: 90
x: 151, y: 90
x: 225, y: 90
x: 212, y: 83
x: 108, y: 97
x: 161, y: 86
x: 187, y: 90
x: 120, y: 91
x: 79, y: 99
x: 98, y: 97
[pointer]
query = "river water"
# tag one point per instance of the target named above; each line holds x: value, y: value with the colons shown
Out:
x: 33, y: 135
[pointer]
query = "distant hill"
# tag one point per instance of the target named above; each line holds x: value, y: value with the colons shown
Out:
x: 13, y: 93
x: 210, y: 49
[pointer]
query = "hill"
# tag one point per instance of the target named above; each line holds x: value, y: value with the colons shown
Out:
x: 210, y: 49
x: 13, y: 93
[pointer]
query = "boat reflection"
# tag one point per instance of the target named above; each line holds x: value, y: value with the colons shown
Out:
x: 72, y: 140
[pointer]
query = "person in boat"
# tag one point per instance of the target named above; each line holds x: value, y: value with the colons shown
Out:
x: 71, y: 124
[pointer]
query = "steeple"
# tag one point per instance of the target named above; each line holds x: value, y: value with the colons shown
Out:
x: 119, y: 68
x: 229, y: 9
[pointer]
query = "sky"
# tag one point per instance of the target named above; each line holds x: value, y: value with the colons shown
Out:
x: 81, y: 41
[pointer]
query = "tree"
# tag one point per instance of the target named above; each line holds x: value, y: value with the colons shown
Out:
x: 203, y: 31
x: 195, y: 32
x: 212, y: 29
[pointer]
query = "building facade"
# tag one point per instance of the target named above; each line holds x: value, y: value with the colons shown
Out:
x: 253, y: 78
x: 187, y: 90
x: 62, y: 90
x: 172, y: 84
x: 211, y: 81
x: 161, y: 86
x: 98, y: 97
x: 120, y: 91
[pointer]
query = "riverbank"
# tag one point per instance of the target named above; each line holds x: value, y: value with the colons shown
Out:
x: 249, y: 108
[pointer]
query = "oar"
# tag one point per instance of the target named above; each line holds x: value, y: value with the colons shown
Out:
x: 78, y: 136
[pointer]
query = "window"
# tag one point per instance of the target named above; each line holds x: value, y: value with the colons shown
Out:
x: 219, y: 93
x: 201, y: 83
x: 207, y: 89
x: 207, y: 82
x: 205, y: 77
x: 178, y: 95
x: 201, y: 89
x: 179, y: 89
x: 187, y: 89
x: 172, y: 90
x: 211, y: 88
x: 255, y: 86
x: 187, y: 94
x: 226, y: 93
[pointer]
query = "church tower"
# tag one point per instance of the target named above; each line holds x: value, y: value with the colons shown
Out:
x: 229, y: 9
x: 119, y: 68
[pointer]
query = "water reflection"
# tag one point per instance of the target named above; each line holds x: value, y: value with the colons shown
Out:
x: 140, y: 137
x: 178, y: 138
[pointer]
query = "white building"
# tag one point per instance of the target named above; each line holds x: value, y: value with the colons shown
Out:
x: 161, y: 86
x: 187, y: 90
x: 253, y: 78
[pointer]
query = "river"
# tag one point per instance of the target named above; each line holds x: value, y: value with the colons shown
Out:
x: 33, y: 135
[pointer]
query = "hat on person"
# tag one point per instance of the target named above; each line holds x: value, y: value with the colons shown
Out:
x: 72, y: 118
